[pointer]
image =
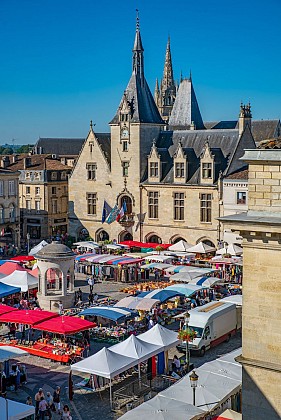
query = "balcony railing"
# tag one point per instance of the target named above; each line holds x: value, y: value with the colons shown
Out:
x: 127, y: 220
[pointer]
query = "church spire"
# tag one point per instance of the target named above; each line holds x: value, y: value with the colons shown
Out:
x: 138, y: 67
x: 168, y: 76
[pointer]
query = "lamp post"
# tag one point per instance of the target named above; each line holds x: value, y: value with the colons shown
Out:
x: 28, y: 239
x: 186, y: 321
x: 193, y: 383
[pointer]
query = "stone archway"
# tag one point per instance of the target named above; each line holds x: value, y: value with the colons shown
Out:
x: 128, y: 203
x: 125, y: 236
x: 206, y: 241
x: 176, y: 238
x: 154, y: 238
x: 102, y: 235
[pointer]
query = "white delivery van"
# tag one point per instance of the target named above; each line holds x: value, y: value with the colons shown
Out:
x: 213, y: 323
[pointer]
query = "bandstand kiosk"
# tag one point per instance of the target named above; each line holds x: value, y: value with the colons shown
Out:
x: 56, y: 277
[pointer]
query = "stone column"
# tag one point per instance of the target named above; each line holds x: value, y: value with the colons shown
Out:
x: 64, y: 283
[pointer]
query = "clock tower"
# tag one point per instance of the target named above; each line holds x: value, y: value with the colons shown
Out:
x: 135, y: 125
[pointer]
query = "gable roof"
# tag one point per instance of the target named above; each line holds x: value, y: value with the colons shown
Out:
x: 38, y: 162
x: 58, y: 146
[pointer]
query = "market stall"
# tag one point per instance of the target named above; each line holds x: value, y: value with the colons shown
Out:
x: 12, y: 410
x: 21, y: 279
x: 7, y: 290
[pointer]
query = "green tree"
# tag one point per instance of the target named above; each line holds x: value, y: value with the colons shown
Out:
x: 25, y: 148
x: 7, y: 151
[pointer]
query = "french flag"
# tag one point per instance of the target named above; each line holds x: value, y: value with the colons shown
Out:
x: 121, y: 212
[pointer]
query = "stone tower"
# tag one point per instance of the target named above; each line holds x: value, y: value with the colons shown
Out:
x: 165, y: 95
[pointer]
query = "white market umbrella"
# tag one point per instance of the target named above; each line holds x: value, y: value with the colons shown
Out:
x: 230, y: 415
x: 205, y: 281
x: 160, y: 258
x: 113, y: 246
x: 232, y: 249
x: 38, y: 248
x: 193, y: 269
x: 21, y: 279
x: 201, y: 248
x: 180, y: 246
x: 132, y: 302
x: 161, y: 408
x: 186, y: 276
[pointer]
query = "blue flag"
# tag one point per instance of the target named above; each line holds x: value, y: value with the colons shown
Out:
x: 105, y: 211
x: 113, y: 214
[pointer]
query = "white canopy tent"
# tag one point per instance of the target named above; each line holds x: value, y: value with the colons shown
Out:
x: 160, y: 336
x: 8, y: 352
x: 21, y: 279
x: 232, y: 249
x: 205, y: 281
x: 237, y: 299
x: 159, y: 266
x: 134, y: 302
x: 181, y: 246
x: 193, y: 269
x: 135, y: 348
x: 37, y: 248
x: 186, y: 276
x: 201, y: 248
x: 86, y: 245
x: 159, y: 258
x: 12, y: 410
x: 161, y: 408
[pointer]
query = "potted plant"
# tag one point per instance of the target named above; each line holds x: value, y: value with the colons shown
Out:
x: 186, y: 335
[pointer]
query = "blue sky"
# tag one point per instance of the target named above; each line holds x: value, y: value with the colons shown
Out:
x: 65, y: 62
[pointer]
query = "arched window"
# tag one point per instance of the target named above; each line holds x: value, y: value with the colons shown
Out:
x: 154, y: 239
x: 53, y: 279
x: 102, y: 235
x: 128, y: 201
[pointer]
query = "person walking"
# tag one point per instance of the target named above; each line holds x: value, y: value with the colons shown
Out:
x: 42, y: 408
x: 56, y: 399
x: 50, y: 404
x: 37, y: 398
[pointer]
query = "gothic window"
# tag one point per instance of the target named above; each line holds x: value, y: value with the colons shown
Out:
x: 179, y: 171
x: 179, y: 206
x: 125, y: 146
x: 91, y: 171
x: 92, y: 203
x: 206, y: 208
x: 207, y: 170
x: 153, y: 169
x: 153, y: 201
x: 241, y: 197
x: 128, y: 202
x: 125, y: 168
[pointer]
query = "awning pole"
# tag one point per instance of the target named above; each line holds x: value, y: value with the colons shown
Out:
x: 110, y: 393
x: 139, y: 370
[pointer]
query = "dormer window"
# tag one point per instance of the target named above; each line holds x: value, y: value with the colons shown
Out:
x: 153, y: 170
x: 207, y: 170
x: 179, y: 170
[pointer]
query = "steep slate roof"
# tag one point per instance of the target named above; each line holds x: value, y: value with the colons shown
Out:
x: 221, y: 125
x: 225, y: 145
x: 265, y: 129
x: 59, y: 146
x: 140, y: 100
x: 104, y: 140
x: 186, y: 108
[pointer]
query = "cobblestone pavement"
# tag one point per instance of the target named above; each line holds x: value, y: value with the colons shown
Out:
x: 86, y: 405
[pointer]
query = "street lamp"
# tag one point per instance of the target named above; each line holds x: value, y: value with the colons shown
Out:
x: 28, y: 239
x: 193, y: 383
x: 186, y: 321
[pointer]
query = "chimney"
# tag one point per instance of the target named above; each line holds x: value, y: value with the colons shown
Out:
x: 14, y: 158
x: 245, y: 117
x: 192, y: 126
x: 5, y: 161
x: 26, y: 162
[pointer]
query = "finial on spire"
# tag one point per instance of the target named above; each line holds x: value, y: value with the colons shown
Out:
x: 91, y: 124
x: 137, y: 20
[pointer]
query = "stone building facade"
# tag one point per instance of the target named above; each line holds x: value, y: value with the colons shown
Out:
x: 260, y: 228
x: 43, y: 196
x: 169, y: 177
x: 9, y: 205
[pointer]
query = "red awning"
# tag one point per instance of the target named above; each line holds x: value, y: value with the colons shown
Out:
x: 65, y: 325
x: 23, y: 258
x: 130, y: 261
x: 9, y: 267
x: 6, y: 308
x: 27, y: 317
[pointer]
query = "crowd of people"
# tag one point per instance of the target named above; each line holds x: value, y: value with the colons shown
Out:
x: 45, y: 407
